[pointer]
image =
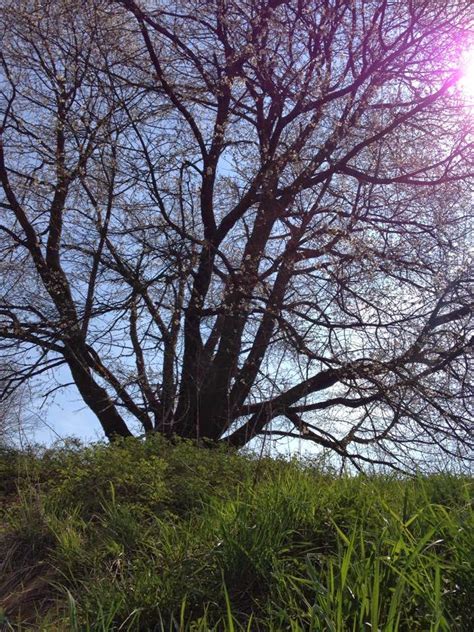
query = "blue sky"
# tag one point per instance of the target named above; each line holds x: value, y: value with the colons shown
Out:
x: 65, y: 415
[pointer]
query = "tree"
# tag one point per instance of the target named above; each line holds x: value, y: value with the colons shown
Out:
x: 245, y: 219
x: 16, y: 420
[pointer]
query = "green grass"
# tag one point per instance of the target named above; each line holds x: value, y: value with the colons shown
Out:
x: 174, y: 537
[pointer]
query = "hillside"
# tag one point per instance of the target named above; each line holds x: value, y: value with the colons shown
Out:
x: 170, y: 536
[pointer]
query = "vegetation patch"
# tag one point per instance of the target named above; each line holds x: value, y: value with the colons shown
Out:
x: 153, y: 535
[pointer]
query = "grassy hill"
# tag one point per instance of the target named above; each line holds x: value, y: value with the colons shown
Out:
x: 173, y: 537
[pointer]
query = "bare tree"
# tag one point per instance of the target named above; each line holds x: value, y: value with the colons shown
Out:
x: 16, y: 419
x: 244, y: 219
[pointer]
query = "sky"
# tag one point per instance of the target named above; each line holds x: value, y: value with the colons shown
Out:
x: 68, y: 416
x: 64, y: 415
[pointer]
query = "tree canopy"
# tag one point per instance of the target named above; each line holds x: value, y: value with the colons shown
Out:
x: 233, y: 219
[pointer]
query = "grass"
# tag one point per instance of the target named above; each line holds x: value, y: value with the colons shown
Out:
x: 174, y: 537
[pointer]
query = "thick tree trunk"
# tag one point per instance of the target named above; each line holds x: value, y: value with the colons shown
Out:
x: 97, y: 399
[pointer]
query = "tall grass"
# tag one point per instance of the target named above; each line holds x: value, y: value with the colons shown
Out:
x: 175, y: 537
